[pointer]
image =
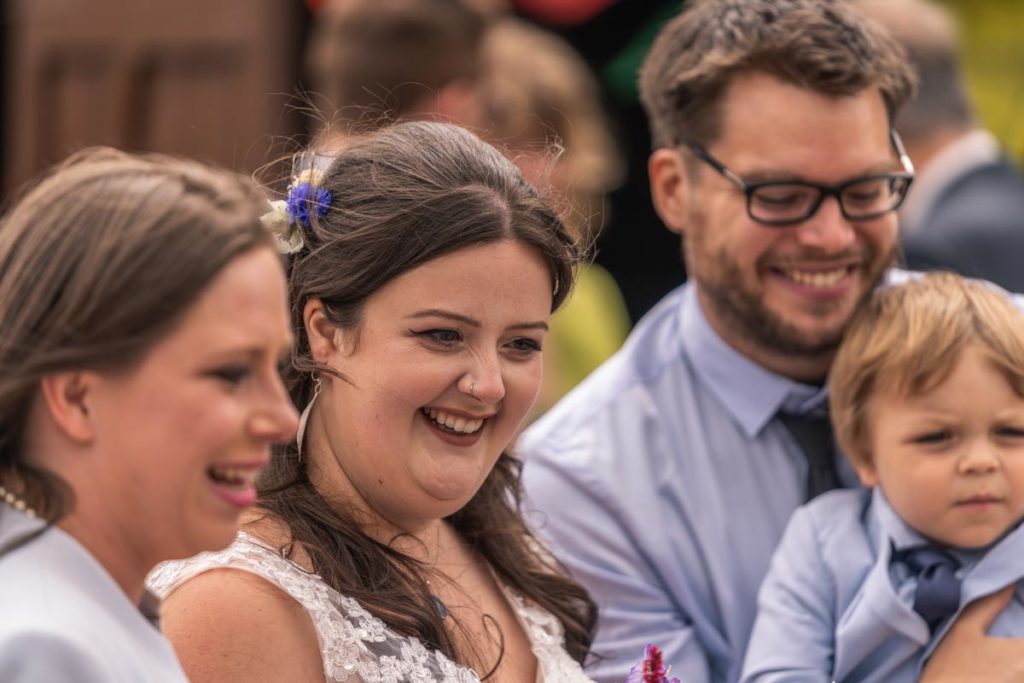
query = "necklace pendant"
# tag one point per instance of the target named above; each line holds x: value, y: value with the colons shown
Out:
x: 442, y: 610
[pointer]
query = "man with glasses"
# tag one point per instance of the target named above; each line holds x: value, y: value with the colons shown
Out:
x: 666, y: 479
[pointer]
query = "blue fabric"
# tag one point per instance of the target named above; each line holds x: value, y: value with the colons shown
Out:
x: 837, y: 602
x: 938, y: 588
x: 664, y: 482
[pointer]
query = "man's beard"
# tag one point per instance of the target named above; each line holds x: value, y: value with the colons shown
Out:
x: 744, y: 311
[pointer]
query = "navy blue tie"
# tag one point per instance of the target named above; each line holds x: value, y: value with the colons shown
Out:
x: 938, y: 589
x: 813, y: 433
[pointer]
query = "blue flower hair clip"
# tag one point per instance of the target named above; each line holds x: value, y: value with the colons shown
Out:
x: 306, y: 193
x: 289, y: 218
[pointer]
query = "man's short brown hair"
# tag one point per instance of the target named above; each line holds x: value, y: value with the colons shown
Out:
x: 822, y: 45
x: 907, y: 339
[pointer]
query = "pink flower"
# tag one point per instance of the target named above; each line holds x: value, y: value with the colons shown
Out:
x: 651, y: 669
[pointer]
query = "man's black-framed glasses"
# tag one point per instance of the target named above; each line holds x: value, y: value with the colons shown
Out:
x: 781, y: 203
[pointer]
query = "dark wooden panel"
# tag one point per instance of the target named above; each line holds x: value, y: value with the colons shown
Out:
x: 207, y: 79
x: 72, y: 96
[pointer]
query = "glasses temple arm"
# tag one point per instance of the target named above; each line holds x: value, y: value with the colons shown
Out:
x: 901, y: 151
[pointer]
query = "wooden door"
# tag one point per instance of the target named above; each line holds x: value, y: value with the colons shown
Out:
x: 210, y: 79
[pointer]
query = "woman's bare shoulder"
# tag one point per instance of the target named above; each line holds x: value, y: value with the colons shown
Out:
x: 232, y: 625
x: 274, y: 533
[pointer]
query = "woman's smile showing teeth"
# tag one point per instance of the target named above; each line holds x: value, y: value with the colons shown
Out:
x: 237, y: 477
x: 235, y: 484
x: 455, y: 424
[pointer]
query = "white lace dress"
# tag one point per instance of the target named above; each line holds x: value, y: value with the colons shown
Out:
x: 356, y: 646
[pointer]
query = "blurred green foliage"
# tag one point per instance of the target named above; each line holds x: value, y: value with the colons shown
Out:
x: 992, y: 44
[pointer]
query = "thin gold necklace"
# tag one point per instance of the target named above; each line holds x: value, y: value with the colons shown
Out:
x: 442, y: 609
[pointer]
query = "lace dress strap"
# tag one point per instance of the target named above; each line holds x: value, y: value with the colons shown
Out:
x: 247, y: 554
x: 355, y: 645
x: 547, y: 641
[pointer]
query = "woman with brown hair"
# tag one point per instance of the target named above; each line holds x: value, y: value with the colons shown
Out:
x: 143, y: 311
x: 389, y: 544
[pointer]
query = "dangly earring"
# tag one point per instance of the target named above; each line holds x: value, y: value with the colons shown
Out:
x: 304, y: 417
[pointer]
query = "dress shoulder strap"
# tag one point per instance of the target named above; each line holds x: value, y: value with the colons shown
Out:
x: 246, y: 553
x: 354, y: 644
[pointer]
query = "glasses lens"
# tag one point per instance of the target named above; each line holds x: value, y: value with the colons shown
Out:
x: 873, y: 196
x: 782, y: 202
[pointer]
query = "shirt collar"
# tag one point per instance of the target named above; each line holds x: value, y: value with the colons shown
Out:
x: 752, y: 394
x: 904, y: 536
x: 901, y: 534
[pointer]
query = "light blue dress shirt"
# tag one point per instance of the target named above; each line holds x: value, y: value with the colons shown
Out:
x: 664, y: 482
x: 63, y: 618
x: 833, y: 606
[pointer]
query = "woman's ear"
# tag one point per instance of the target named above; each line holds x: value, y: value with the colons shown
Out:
x: 66, y: 396
x: 325, y: 338
x: 670, y: 188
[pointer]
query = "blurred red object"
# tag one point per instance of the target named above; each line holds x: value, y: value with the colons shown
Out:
x: 561, y: 12
x: 315, y: 5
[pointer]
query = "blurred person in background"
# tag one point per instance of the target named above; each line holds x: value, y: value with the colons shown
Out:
x: 966, y: 210
x: 373, y: 62
x: 357, y: 56
x: 143, y: 316
x: 612, y: 37
x: 542, y: 106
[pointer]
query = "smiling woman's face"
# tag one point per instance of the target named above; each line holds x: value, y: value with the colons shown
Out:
x: 439, y: 373
x: 180, y: 436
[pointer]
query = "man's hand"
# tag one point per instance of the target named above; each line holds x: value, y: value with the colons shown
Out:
x: 967, y: 653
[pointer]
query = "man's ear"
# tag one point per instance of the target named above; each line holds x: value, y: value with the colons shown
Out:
x: 325, y: 339
x: 66, y: 396
x: 670, y: 188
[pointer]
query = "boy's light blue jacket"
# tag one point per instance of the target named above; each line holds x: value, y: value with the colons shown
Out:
x: 828, y: 609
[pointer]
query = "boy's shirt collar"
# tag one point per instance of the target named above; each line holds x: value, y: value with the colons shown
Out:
x: 904, y: 536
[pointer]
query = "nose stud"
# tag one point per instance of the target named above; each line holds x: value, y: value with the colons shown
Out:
x: 472, y: 389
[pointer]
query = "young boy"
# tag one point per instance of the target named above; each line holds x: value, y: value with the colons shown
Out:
x: 927, y: 400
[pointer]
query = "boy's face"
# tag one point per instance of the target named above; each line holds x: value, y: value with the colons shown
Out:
x: 951, y: 461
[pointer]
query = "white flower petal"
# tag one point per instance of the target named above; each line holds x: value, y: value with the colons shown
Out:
x: 289, y: 239
x: 313, y: 176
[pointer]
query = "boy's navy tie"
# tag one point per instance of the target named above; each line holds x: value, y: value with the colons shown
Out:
x: 938, y: 589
